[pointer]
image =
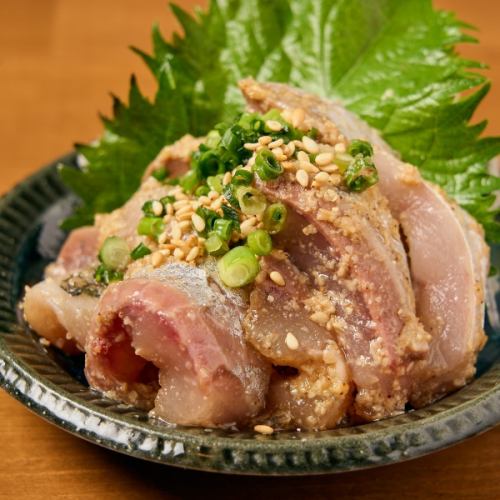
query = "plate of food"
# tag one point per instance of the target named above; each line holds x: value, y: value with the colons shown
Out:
x: 283, y: 263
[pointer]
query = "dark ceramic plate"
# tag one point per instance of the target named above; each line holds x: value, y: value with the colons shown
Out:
x: 53, y: 385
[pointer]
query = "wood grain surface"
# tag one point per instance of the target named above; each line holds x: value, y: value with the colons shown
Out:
x: 58, y: 61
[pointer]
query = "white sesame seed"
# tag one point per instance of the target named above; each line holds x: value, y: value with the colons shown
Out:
x: 176, y: 233
x: 184, y: 216
x: 303, y: 156
x: 310, y: 145
x: 320, y: 317
x: 181, y: 203
x: 184, y: 225
x: 308, y: 167
x: 247, y: 226
x: 180, y: 196
x: 227, y: 178
x: 274, y: 125
x: 167, y: 218
x: 276, y: 144
x: 204, y: 200
x: 323, y: 159
x: 216, y: 204
x: 322, y: 178
x: 263, y: 429
x: 340, y: 147
x: 302, y: 178
x: 184, y: 210
x: 192, y: 254
x: 198, y: 222
x: 277, y: 152
x: 290, y: 148
x: 213, y: 195
x: 251, y: 146
x: 265, y: 140
x: 170, y: 209
x: 157, y: 259
x: 277, y: 278
x: 330, y: 169
x: 298, y: 117
x: 291, y: 341
x: 157, y: 208
x: 178, y: 254
x: 162, y: 238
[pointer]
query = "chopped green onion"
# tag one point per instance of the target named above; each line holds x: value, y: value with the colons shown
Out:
x: 214, y: 182
x: 358, y: 146
x: 275, y: 217
x: 231, y: 214
x: 104, y: 275
x: 313, y: 133
x: 266, y: 165
x: 209, y: 216
x: 213, y: 139
x: 160, y: 174
x: 224, y: 228
x: 230, y: 195
x: 202, y: 191
x: 189, y: 181
x: 231, y: 140
x: 260, y: 242
x: 238, y: 267
x: 169, y: 199
x: 151, y: 226
x: 140, y: 251
x: 360, y: 174
x: 114, y: 253
x: 242, y: 177
x: 251, y: 200
x: 147, y: 208
x: 207, y: 163
x: 215, y: 245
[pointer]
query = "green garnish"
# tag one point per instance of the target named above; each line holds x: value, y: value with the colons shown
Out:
x: 166, y: 200
x: 275, y: 217
x: 238, y: 267
x: 215, y: 183
x: 251, y: 200
x: 202, y: 191
x: 189, y: 181
x: 140, y: 251
x: 260, y: 242
x: 147, y: 208
x: 114, y: 253
x: 160, y: 174
x: 151, y: 226
x: 360, y: 174
x: 359, y: 147
x: 343, y: 160
x: 230, y: 195
x: 231, y: 214
x: 223, y: 228
x: 242, y: 177
x: 267, y: 166
x: 104, y: 275
x: 209, y: 216
x: 215, y: 245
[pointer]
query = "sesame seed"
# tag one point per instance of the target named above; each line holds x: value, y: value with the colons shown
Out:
x: 198, y: 222
x: 308, y: 167
x: 274, y: 125
x: 330, y: 169
x: 265, y: 140
x: 303, y: 156
x: 251, y: 146
x: 277, y: 151
x: 178, y: 254
x: 302, y: 178
x: 181, y: 196
x: 167, y: 218
x: 291, y: 341
x: 290, y: 148
x: 298, y: 117
x: 263, y: 429
x: 277, y: 278
x: 320, y: 317
x: 217, y: 204
x: 181, y: 203
x: 276, y: 144
x: 227, y: 178
x: 340, y: 147
x: 184, y: 225
x: 247, y: 226
x: 176, y: 233
x: 204, y: 200
x: 184, y: 216
x: 162, y: 238
x: 170, y: 209
x: 310, y: 145
x: 157, y: 259
x: 213, y: 195
x: 323, y: 159
x: 322, y: 178
x: 157, y: 208
x: 192, y: 254
x: 184, y: 210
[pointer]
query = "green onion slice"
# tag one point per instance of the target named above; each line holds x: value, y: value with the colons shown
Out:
x: 275, y: 217
x: 358, y: 146
x: 114, y: 253
x: 160, y: 174
x: 260, y: 242
x: 360, y: 174
x: 238, y: 267
x: 267, y: 166
x: 242, y: 177
x: 251, y: 200
x: 214, y: 182
x: 215, y: 245
x: 140, y: 251
x: 151, y: 226
x: 224, y: 228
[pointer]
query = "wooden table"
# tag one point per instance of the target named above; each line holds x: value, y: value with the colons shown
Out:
x: 58, y: 60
